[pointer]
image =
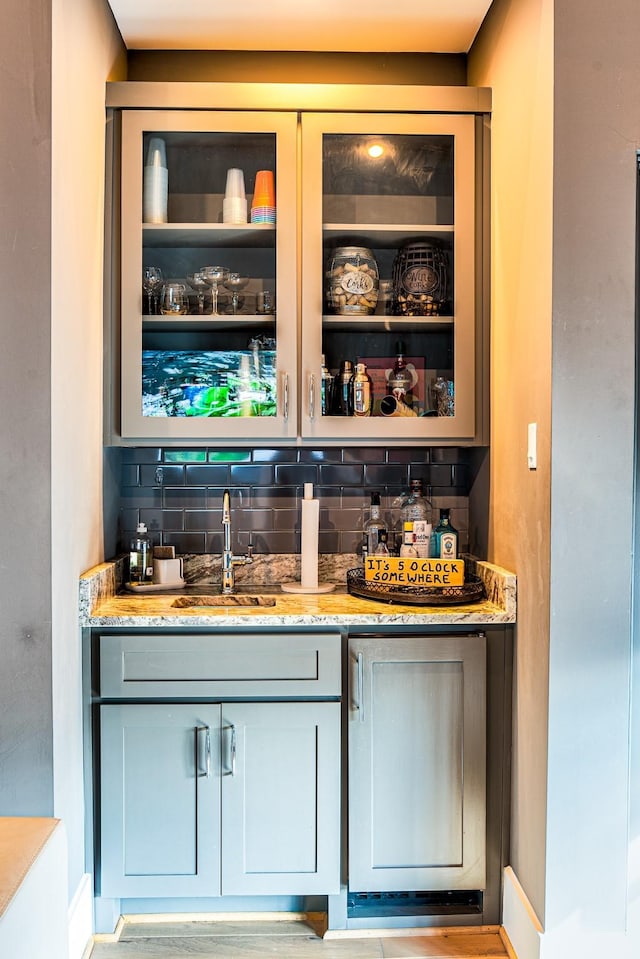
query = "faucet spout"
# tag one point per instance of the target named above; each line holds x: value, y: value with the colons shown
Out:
x: 229, y: 561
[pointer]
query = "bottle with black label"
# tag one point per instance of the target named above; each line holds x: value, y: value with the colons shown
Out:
x: 445, y: 538
x: 342, y: 390
x: 400, y: 381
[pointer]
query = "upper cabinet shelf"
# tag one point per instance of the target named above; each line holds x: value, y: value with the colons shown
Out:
x: 158, y: 235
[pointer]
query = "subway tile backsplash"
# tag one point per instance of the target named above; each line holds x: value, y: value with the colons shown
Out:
x: 178, y: 493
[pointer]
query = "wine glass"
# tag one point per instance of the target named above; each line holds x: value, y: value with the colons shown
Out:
x: 198, y: 282
x: 152, y: 280
x: 174, y: 300
x: 213, y: 276
x: 235, y: 283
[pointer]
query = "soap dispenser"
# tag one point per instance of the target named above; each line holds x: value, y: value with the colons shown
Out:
x: 140, y: 559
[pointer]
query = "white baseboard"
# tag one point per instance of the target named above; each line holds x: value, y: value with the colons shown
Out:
x: 519, y: 919
x: 80, y: 918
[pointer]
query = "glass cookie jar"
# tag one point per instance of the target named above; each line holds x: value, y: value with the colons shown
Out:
x: 421, y: 279
x: 351, y: 282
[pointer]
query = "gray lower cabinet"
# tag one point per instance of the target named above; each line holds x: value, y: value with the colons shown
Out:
x: 160, y: 800
x: 218, y: 763
x: 417, y: 746
x: 219, y: 799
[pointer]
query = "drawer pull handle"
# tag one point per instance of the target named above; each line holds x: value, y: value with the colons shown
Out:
x: 207, y: 751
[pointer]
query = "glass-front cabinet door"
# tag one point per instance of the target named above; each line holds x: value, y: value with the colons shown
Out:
x: 208, y: 308
x: 389, y: 277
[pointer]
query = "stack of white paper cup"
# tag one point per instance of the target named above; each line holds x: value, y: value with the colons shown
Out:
x: 156, y: 183
x: 234, y: 205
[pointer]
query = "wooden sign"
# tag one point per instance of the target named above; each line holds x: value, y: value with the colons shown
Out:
x: 409, y: 571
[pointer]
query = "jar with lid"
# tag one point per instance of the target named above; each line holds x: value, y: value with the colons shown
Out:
x: 421, y: 279
x: 351, y: 282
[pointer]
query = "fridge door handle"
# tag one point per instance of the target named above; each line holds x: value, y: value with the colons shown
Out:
x: 357, y: 700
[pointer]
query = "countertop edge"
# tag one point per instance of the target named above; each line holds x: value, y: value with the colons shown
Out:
x: 101, y: 607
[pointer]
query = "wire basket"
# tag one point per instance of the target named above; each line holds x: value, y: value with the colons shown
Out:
x: 471, y: 591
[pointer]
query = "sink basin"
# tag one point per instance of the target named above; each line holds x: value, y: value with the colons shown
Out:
x: 233, y: 599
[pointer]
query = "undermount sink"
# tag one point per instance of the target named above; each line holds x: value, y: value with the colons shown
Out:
x: 227, y: 599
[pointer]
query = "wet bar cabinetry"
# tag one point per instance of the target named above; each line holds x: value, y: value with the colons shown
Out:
x: 376, y: 249
x: 218, y: 764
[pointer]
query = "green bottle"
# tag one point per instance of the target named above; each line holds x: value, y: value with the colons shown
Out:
x: 445, y: 538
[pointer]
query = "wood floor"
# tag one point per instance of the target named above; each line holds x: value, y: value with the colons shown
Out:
x: 291, y: 939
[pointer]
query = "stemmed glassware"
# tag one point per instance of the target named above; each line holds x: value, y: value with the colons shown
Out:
x: 198, y: 282
x: 235, y: 283
x: 152, y: 281
x: 213, y: 276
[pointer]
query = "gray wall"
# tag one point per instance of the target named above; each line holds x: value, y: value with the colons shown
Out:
x: 26, y: 750
x: 596, y: 136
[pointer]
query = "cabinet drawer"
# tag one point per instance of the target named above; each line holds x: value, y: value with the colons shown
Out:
x: 224, y: 665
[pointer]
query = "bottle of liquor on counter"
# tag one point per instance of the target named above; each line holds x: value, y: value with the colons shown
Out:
x: 445, y: 538
x: 400, y: 381
x: 408, y: 547
x: 373, y: 527
x: 382, y: 549
x: 361, y: 391
x: 342, y: 390
x: 416, y: 509
x: 326, y: 383
x: 140, y: 561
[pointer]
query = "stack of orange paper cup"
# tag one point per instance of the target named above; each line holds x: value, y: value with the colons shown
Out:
x: 263, y: 206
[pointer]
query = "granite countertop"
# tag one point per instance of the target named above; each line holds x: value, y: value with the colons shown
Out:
x: 103, y: 603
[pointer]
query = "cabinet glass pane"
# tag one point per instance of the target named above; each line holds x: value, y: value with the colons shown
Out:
x: 388, y: 215
x: 214, y: 355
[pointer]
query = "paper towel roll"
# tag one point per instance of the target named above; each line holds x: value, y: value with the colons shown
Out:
x: 309, y: 522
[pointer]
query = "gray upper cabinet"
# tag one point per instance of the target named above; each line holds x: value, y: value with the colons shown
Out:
x: 417, y: 734
x: 211, y: 368
x: 400, y: 173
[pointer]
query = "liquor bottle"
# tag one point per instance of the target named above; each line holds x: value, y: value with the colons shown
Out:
x: 326, y: 383
x: 400, y: 381
x: 140, y: 561
x: 342, y: 390
x: 408, y: 547
x: 382, y: 549
x: 361, y: 391
x: 445, y: 538
x: 374, y: 526
x: 416, y: 509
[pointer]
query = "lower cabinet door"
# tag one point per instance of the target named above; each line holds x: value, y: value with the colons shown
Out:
x: 281, y: 798
x: 417, y: 795
x: 160, y: 800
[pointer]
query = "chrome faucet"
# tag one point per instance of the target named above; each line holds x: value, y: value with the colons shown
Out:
x: 229, y: 561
